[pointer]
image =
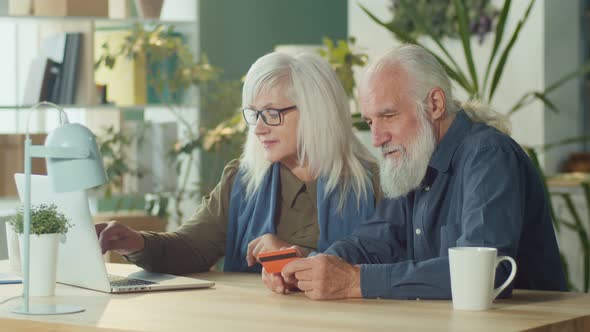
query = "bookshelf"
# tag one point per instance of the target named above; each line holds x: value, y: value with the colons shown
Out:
x: 27, y: 33
x: 24, y: 36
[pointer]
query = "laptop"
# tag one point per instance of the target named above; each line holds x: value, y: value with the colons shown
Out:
x: 80, y: 262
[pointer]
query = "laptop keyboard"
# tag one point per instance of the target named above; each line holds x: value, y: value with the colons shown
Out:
x: 119, y: 281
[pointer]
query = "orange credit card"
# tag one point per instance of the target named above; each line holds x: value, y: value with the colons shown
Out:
x: 274, y: 261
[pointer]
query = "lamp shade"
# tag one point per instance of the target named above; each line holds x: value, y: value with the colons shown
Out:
x: 70, y: 174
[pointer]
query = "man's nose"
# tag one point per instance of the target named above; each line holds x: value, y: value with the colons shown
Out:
x: 380, y: 136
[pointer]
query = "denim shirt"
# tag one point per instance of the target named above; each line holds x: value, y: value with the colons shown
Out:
x: 480, y: 189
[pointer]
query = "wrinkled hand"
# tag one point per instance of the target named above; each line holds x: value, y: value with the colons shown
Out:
x: 324, y: 277
x: 275, y: 281
x: 264, y: 243
x: 118, y: 238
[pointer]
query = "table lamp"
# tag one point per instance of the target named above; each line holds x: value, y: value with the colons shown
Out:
x: 73, y: 163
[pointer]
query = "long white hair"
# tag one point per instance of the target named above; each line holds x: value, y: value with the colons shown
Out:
x: 428, y: 73
x: 325, y: 138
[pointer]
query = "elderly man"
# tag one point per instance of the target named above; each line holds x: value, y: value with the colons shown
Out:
x: 451, y: 178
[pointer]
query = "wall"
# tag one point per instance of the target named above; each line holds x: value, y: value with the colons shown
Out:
x: 234, y: 33
x: 546, y: 49
x: 563, y: 54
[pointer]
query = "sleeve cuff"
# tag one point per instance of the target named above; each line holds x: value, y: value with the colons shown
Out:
x: 141, y: 255
x: 375, y: 280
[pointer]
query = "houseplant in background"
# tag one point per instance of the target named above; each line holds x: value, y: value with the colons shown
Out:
x: 344, y: 59
x: 466, y: 19
x: 114, y: 146
x: 47, y: 226
x: 172, y: 70
x: 483, y: 89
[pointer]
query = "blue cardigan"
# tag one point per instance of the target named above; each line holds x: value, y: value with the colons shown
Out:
x: 252, y: 218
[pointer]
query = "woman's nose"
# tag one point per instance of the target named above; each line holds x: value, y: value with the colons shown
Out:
x: 261, y: 127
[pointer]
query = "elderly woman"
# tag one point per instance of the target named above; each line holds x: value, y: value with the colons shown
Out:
x: 303, y: 179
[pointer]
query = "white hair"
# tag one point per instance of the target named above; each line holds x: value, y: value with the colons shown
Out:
x: 325, y: 138
x: 428, y: 73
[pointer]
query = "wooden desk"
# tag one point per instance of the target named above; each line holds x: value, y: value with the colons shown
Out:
x: 239, y: 302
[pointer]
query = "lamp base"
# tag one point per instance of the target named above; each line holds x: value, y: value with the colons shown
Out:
x: 48, y: 309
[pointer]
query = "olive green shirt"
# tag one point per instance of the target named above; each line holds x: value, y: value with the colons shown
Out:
x: 200, y: 242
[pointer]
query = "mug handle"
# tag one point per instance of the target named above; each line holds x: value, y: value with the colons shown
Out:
x: 499, y: 260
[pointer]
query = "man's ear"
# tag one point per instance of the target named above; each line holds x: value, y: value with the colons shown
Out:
x: 436, y: 102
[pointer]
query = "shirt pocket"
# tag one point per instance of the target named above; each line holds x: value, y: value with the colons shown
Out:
x: 449, y: 235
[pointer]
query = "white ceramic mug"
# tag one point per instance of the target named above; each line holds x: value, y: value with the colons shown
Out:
x: 473, y: 270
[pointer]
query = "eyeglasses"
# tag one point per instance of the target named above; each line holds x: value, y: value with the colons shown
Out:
x: 271, y: 117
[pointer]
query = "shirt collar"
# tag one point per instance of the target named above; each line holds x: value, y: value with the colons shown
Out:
x: 443, y: 154
x: 291, y: 186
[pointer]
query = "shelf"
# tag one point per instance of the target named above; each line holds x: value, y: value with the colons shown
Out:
x: 101, y: 107
x: 99, y: 20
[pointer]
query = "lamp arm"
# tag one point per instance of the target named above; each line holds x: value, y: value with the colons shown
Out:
x: 62, y: 113
x: 41, y: 151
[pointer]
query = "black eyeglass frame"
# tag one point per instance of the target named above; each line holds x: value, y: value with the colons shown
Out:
x: 260, y: 113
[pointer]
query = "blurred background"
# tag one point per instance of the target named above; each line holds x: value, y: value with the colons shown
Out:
x: 159, y: 83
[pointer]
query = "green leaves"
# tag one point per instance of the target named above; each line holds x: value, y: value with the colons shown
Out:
x: 504, y: 57
x: 343, y: 60
x: 450, y: 66
x: 161, y: 47
x: 359, y: 123
x: 460, y: 11
x: 580, y: 231
x: 45, y: 219
x: 497, y: 39
x: 465, y: 34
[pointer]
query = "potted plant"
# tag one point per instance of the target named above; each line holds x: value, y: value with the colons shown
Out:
x: 47, y: 225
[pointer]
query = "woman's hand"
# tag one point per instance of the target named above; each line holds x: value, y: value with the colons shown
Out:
x: 264, y: 243
x: 275, y: 281
x: 118, y: 238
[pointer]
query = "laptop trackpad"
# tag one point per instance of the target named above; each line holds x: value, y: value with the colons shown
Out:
x: 156, y: 277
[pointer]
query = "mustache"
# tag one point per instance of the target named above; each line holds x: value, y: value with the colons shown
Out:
x: 388, y: 148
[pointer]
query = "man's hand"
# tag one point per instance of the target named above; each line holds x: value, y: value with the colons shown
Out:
x: 264, y: 243
x: 324, y: 277
x: 118, y: 238
x: 275, y: 281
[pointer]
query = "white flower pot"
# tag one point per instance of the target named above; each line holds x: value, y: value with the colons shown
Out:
x: 13, y: 249
x: 42, y: 263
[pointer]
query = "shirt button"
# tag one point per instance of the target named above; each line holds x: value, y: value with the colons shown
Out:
x: 427, y: 188
x: 418, y: 231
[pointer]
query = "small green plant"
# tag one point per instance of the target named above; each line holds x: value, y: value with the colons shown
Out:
x: 45, y: 219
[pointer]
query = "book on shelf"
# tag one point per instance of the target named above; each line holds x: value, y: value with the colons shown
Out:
x: 70, y: 68
x: 54, y: 48
x: 63, y: 50
x: 43, y: 73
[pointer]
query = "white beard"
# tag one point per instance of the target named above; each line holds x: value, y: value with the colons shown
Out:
x: 404, y: 174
